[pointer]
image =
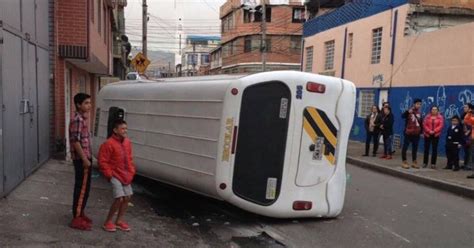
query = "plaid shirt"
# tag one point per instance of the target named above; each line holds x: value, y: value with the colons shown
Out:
x: 79, y: 132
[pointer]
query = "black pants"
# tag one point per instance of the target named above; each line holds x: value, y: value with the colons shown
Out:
x: 467, y: 155
x: 433, y: 142
x: 452, y: 152
x: 372, y: 136
x: 82, y: 186
x: 414, y: 140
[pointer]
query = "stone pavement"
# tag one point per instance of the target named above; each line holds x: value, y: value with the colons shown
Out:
x: 37, y: 214
x: 455, y: 182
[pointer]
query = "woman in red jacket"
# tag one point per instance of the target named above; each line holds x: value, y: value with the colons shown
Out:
x: 432, y: 128
x: 116, y: 163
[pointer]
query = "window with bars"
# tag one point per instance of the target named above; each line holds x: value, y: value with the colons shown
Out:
x: 366, y: 100
x: 376, y: 45
x: 309, y: 60
x: 329, y: 61
x: 295, y: 43
x: 227, y: 23
x: 298, y: 15
x: 205, y: 59
x: 349, y: 48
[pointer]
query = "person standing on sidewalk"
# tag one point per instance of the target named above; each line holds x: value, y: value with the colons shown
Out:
x: 469, y: 120
x: 413, y: 128
x: 116, y: 163
x: 79, y: 138
x: 454, y: 142
x: 386, y: 127
x: 432, y: 128
x: 372, y: 123
x: 467, y: 139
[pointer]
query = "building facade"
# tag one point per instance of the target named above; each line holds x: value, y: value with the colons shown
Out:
x: 121, y: 44
x: 242, y: 44
x: 396, y: 51
x: 83, y: 55
x: 24, y: 90
x: 196, y: 54
x: 216, y: 61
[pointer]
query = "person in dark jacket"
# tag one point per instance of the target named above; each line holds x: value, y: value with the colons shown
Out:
x: 386, y: 128
x: 372, y: 123
x: 454, y: 142
x: 412, y: 132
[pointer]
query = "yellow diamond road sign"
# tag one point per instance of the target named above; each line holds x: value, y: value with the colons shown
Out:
x: 140, y: 62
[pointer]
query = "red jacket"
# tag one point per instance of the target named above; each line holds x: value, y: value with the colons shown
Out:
x: 436, y: 126
x: 469, y: 121
x: 115, y: 159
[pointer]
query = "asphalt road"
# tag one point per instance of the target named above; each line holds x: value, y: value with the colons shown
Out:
x: 379, y: 211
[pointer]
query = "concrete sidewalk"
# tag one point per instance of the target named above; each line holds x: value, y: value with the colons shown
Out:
x: 38, y: 213
x: 448, y: 180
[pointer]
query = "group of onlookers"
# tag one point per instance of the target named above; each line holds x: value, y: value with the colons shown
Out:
x: 459, y: 135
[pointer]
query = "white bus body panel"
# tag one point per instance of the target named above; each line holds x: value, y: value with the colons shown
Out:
x: 180, y: 133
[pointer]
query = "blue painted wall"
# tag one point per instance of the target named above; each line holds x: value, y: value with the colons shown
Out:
x: 450, y: 100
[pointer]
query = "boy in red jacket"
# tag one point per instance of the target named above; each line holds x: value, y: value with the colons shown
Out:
x: 116, y: 163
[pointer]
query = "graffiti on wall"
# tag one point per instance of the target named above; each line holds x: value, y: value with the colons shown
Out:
x: 441, y: 100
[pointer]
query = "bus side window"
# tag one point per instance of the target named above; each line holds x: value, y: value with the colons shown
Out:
x: 115, y: 113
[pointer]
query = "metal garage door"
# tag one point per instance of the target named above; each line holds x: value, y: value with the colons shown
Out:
x: 24, y: 90
x: 13, y: 106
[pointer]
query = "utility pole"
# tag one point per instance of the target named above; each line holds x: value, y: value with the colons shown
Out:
x: 194, y: 56
x: 264, y: 36
x: 145, y: 21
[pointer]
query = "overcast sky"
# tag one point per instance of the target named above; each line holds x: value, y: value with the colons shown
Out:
x: 198, y: 17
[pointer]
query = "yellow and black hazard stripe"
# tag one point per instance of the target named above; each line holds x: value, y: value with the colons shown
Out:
x: 317, y: 124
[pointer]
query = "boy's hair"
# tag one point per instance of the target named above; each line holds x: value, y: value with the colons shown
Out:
x: 119, y: 122
x: 456, y: 118
x: 417, y: 100
x: 79, y: 98
x: 471, y: 106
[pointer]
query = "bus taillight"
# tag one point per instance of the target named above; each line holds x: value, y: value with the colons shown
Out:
x: 302, y: 205
x: 315, y: 87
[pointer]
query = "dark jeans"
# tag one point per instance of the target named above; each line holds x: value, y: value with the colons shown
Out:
x: 452, y: 152
x: 433, y: 142
x: 387, y: 145
x: 467, y: 155
x: 414, y: 140
x: 372, y: 136
x: 82, y: 186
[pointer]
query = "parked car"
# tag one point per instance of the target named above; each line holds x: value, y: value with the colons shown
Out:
x: 134, y: 76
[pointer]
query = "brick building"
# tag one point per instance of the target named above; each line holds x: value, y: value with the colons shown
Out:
x: 83, y: 47
x: 241, y: 36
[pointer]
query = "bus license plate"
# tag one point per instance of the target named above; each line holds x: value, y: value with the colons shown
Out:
x: 318, y: 148
x: 271, y: 188
x: 283, y: 108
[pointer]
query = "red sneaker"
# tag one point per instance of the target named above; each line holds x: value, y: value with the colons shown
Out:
x: 123, y: 226
x: 86, y: 219
x: 109, y: 227
x: 388, y: 157
x: 383, y: 156
x: 80, y: 224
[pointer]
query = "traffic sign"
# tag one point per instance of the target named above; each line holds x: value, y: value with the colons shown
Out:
x: 140, y: 62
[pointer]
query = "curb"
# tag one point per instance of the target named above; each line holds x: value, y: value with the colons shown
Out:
x: 431, y: 182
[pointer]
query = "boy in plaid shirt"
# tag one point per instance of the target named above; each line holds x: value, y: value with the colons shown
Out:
x: 80, y: 143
